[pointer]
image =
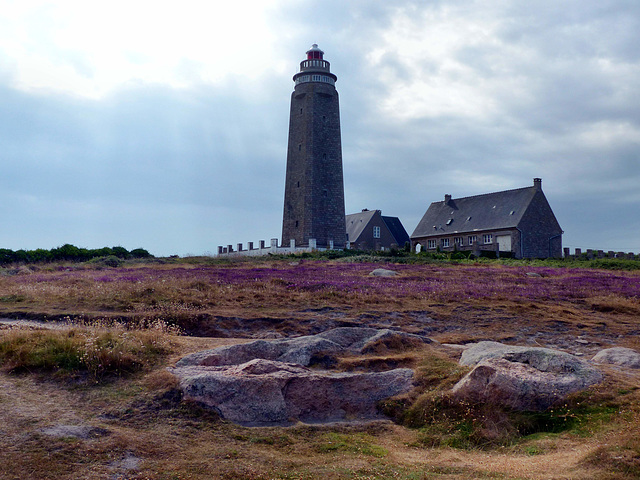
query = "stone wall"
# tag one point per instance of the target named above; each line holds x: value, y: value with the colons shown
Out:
x: 590, y: 254
x: 541, y: 233
x: 272, y: 248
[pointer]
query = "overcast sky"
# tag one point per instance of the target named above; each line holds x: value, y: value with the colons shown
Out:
x: 163, y: 125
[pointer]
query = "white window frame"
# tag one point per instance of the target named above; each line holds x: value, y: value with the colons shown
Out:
x: 458, y: 241
x: 376, y: 232
x: 472, y: 239
x: 487, y: 238
x: 431, y: 244
x: 445, y: 242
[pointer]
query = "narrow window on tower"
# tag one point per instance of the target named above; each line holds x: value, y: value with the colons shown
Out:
x: 296, y: 223
x: 299, y: 147
x: 298, y: 184
x: 300, y: 111
x: 325, y: 192
x: 324, y: 156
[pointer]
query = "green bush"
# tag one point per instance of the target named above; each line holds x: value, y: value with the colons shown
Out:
x: 68, y: 252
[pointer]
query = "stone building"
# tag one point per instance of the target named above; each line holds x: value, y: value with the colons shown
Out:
x: 370, y: 230
x: 314, y: 188
x: 519, y: 223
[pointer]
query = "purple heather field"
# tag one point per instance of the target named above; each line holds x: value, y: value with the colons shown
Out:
x: 442, y: 282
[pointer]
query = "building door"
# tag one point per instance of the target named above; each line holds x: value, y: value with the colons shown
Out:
x: 504, y: 243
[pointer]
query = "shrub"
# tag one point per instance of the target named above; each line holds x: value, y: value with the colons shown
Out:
x: 111, y: 261
x: 140, y: 253
x: 68, y: 252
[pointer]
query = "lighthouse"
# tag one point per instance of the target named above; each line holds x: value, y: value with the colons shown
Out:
x: 314, y: 187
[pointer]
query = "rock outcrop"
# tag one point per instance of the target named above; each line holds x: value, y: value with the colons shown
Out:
x: 620, y: 356
x: 268, y: 382
x: 522, y: 378
x: 265, y: 392
x: 300, y: 350
x: 383, y: 272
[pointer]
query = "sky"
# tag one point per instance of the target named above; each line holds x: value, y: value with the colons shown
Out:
x: 164, y: 125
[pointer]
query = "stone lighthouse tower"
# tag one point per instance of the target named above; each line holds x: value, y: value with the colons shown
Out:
x: 314, y: 188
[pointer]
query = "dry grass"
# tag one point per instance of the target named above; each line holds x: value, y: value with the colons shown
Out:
x: 447, y: 302
x: 96, y: 352
x: 139, y: 420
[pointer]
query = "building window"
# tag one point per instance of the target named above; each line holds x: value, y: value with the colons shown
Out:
x: 299, y: 147
x: 487, y: 238
x: 431, y: 244
x: 458, y: 241
x: 445, y: 242
x: 472, y: 239
x: 376, y: 232
x: 296, y: 223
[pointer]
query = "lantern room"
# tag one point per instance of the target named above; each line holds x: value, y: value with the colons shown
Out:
x: 314, y: 52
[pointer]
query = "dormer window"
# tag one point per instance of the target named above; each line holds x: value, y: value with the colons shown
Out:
x: 450, y: 221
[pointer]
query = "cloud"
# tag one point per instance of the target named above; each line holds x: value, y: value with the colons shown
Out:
x: 140, y: 154
x: 89, y: 49
x: 167, y: 128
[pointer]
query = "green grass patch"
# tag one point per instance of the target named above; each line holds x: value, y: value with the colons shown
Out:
x: 350, y: 443
x: 12, y: 299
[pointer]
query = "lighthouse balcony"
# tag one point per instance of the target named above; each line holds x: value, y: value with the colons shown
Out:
x: 315, y: 78
x: 314, y: 65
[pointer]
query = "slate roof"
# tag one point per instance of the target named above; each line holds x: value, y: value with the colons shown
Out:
x: 356, y: 222
x: 397, y: 230
x: 491, y: 211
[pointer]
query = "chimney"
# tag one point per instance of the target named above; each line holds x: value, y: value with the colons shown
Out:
x: 537, y: 182
x: 447, y: 198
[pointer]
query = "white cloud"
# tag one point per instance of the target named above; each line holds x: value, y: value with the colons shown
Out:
x: 417, y: 58
x: 88, y: 48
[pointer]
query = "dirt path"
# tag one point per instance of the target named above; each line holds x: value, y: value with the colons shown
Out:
x: 12, y: 322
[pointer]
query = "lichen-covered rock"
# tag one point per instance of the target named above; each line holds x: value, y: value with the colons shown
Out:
x: 299, y: 350
x: 620, y: 356
x: 265, y: 392
x: 383, y: 272
x: 267, y: 382
x: 522, y: 378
